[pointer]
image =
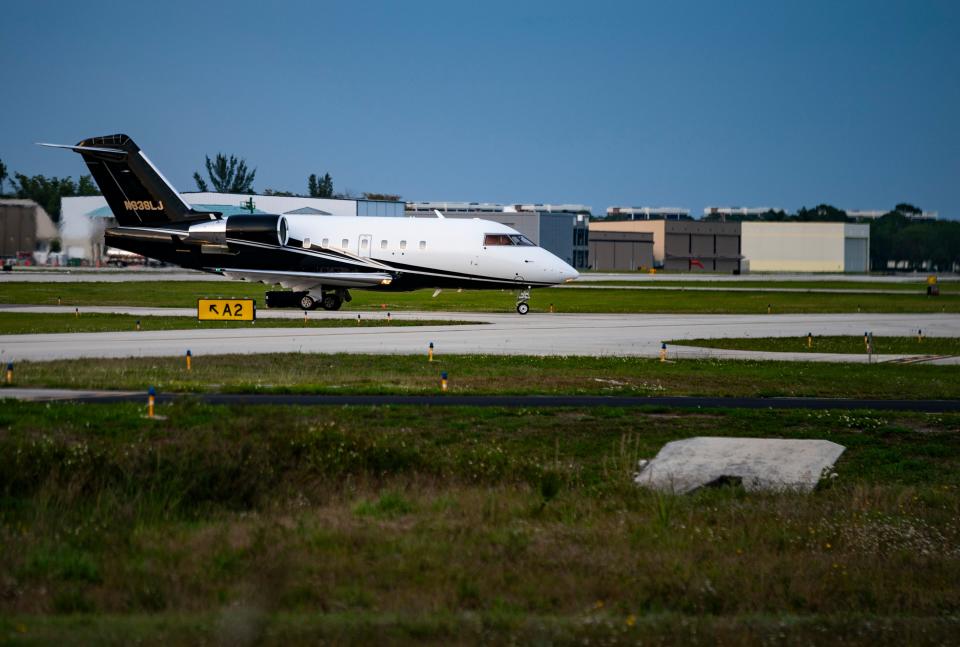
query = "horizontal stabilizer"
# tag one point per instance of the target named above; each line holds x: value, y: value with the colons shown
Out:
x: 82, y: 149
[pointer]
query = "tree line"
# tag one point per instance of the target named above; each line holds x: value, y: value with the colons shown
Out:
x: 45, y: 191
x: 228, y: 174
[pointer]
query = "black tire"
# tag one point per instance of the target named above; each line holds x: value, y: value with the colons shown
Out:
x: 331, y: 301
x: 307, y: 302
x: 523, y: 308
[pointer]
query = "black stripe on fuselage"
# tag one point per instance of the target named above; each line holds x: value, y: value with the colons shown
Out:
x: 260, y: 256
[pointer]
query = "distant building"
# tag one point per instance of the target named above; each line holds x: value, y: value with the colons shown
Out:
x: 648, y: 213
x: 722, y: 212
x: 25, y: 228
x: 805, y: 246
x: 561, y: 229
x: 83, y: 219
x: 493, y: 207
x: 685, y: 245
x: 621, y: 251
x: 875, y: 214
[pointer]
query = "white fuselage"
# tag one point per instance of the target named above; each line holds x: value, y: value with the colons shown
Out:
x: 427, y: 245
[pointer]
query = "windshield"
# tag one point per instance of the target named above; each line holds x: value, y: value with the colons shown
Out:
x: 507, y: 239
x: 521, y: 240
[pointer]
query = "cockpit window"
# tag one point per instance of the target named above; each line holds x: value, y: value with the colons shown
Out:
x: 507, y: 239
x: 496, y: 239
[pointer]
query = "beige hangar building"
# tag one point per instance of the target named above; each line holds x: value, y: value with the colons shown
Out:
x: 712, y: 246
x: 805, y: 247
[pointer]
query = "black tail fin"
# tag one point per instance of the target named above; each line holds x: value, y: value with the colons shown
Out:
x: 136, y: 191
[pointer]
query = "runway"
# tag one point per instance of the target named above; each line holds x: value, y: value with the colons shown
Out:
x: 627, y: 335
x: 580, y: 401
x: 120, y: 275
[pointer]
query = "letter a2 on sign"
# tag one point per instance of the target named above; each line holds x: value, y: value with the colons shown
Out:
x: 226, y: 309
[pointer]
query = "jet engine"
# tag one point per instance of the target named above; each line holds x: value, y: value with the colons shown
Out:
x: 269, y: 230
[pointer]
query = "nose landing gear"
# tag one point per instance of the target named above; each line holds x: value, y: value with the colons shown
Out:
x: 522, y: 297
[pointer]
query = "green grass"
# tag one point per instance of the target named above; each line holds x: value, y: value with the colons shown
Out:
x: 836, y: 344
x: 918, y: 287
x: 23, y: 323
x: 185, y: 295
x: 401, y: 525
x: 480, y: 374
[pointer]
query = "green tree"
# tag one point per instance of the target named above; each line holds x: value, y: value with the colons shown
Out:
x: 883, y: 236
x: 821, y: 213
x: 894, y: 237
x: 47, y: 191
x: 227, y: 175
x: 388, y: 197
x: 86, y: 186
x: 907, y: 208
x: 3, y: 175
x: 320, y: 187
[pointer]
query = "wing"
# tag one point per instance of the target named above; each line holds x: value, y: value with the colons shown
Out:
x: 300, y: 281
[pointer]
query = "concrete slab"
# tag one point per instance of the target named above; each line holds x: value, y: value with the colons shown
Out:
x: 775, y: 464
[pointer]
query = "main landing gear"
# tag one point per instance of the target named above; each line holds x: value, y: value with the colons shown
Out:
x: 329, y: 299
x: 522, y: 306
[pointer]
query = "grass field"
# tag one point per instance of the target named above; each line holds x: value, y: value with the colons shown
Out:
x: 479, y: 374
x: 185, y: 295
x: 21, y: 323
x: 918, y: 287
x: 397, y: 525
x: 881, y: 345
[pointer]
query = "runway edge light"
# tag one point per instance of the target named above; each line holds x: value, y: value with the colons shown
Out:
x: 443, y: 381
x: 9, y: 372
x: 430, y: 352
x: 151, y: 400
x: 189, y: 358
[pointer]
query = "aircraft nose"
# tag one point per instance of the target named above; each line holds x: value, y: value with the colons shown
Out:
x: 567, y: 273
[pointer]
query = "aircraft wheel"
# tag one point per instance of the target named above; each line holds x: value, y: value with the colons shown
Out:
x: 331, y: 301
x: 523, y: 308
x: 307, y: 302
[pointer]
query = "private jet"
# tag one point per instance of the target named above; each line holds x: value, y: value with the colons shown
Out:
x: 319, y: 258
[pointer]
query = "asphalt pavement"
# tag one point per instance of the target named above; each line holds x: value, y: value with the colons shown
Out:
x: 627, y: 335
x: 579, y: 401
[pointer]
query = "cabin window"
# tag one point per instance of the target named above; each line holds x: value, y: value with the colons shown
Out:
x: 325, y: 242
x: 403, y: 244
x: 383, y: 244
x: 496, y: 239
x: 345, y: 243
x: 521, y: 240
x: 423, y: 245
x: 363, y: 243
x: 306, y: 243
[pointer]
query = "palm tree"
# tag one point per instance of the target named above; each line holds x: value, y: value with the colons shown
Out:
x: 227, y: 175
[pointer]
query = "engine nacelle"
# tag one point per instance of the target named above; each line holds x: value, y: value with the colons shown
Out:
x: 269, y: 230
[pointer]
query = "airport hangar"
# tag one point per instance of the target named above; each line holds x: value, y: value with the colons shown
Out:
x: 680, y: 243
x: 560, y: 229
x: 25, y: 228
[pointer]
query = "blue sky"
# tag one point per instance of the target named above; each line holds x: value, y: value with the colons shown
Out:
x: 632, y: 103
